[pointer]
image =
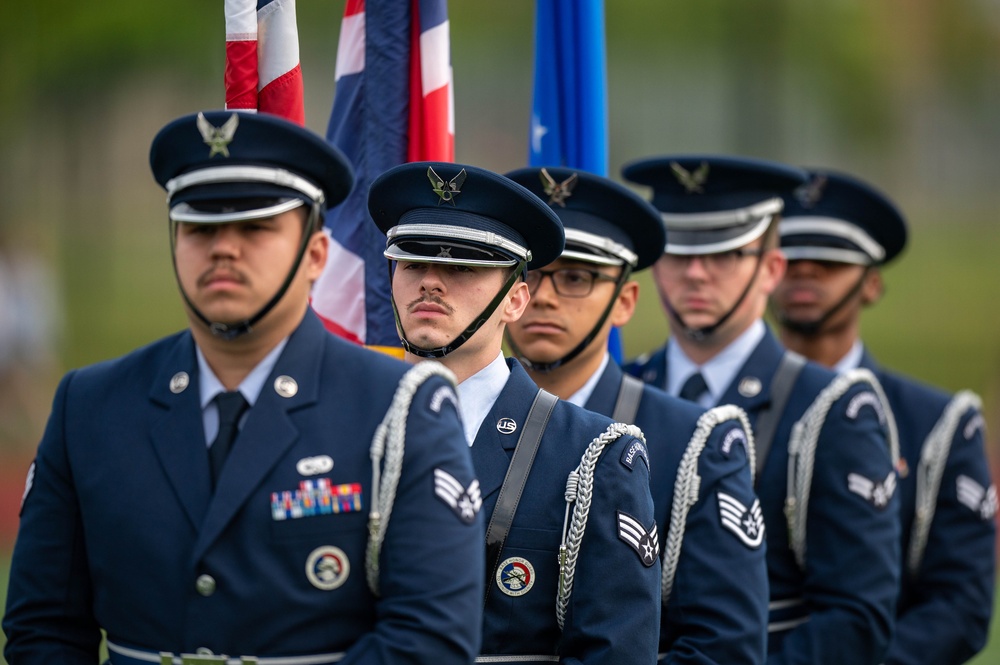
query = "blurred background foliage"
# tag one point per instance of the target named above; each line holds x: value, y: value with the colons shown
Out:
x: 904, y: 93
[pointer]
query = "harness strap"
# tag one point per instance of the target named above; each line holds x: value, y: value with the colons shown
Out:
x: 514, y: 481
x: 781, y: 389
x: 629, y: 396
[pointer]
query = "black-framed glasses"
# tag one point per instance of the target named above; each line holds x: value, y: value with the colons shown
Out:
x: 718, y: 264
x: 568, y: 282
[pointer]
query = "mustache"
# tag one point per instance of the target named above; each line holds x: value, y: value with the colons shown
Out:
x: 431, y: 298
x: 221, y: 269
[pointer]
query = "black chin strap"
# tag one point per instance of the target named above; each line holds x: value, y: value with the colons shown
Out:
x: 234, y: 330
x: 699, y: 334
x: 548, y: 367
x: 812, y: 328
x: 476, y: 324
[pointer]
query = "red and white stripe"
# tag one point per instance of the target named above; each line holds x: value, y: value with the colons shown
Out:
x: 263, y: 72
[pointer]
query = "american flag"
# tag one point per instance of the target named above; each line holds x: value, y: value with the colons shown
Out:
x: 262, y: 58
x: 393, y: 103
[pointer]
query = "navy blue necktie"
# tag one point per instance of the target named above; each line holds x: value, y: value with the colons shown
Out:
x: 694, y: 387
x: 231, y: 407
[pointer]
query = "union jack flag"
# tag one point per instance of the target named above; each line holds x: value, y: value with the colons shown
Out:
x: 393, y: 103
x: 263, y: 72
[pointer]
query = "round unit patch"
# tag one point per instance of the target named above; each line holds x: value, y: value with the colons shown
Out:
x: 515, y: 576
x: 327, y: 567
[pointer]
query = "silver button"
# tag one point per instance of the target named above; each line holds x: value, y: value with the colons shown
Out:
x: 205, y: 585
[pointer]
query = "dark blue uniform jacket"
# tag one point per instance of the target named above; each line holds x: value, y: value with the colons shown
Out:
x: 838, y: 608
x: 717, y: 609
x: 944, y: 608
x: 120, y: 522
x: 614, y: 611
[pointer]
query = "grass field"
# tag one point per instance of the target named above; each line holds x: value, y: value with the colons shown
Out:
x: 989, y: 656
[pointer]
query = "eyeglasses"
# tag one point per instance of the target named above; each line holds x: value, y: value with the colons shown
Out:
x: 717, y: 265
x: 568, y: 282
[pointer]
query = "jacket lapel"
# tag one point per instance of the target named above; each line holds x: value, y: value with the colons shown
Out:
x: 605, y: 394
x: 177, y: 432
x: 268, y: 432
x: 751, y: 387
x: 492, y: 450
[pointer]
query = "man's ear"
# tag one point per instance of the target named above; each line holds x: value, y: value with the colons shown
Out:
x: 516, y: 302
x: 624, y: 307
x: 872, y: 288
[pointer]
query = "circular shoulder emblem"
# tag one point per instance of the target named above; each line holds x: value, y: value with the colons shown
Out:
x: 506, y: 426
x: 327, y: 567
x: 515, y: 576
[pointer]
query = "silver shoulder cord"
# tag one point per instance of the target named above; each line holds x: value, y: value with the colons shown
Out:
x: 688, y: 485
x: 389, y: 442
x: 802, y: 449
x: 579, y: 494
x: 933, y: 458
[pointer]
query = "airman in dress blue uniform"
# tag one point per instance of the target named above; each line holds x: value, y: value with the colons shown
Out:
x: 826, y: 474
x: 711, y: 534
x: 133, y: 524
x: 572, y: 565
x: 838, y: 232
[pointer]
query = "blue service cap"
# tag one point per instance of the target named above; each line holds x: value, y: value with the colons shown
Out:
x: 837, y: 217
x: 605, y: 222
x: 440, y: 212
x: 712, y: 203
x: 223, y: 166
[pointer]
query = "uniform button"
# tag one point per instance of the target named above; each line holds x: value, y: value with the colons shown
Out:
x: 205, y: 585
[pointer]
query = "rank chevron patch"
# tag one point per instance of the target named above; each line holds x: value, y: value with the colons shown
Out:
x: 877, y: 493
x: 645, y: 543
x: 977, y: 498
x: 746, y: 523
x: 464, y: 501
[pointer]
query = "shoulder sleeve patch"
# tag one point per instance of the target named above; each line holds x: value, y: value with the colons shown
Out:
x: 876, y: 492
x: 442, y: 395
x: 976, y: 423
x: 28, y: 483
x: 863, y: 399
x: 465, y: 502
x: 747, y: 524
x: 733, y: 436
x: 635, y: 451
x: 975, y: 497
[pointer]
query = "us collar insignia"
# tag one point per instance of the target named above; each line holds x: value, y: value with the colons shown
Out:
x: 446, y: 190
x: 692, y: 182
x: 218, y: 138
x: 558, y: 192
x: 810, y: 193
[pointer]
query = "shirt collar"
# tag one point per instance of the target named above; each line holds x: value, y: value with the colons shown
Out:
x: 720, y: 370
x: 478, y: 393
x: 210, y: 386
x: 852, y: 359
x: 581, y: 396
